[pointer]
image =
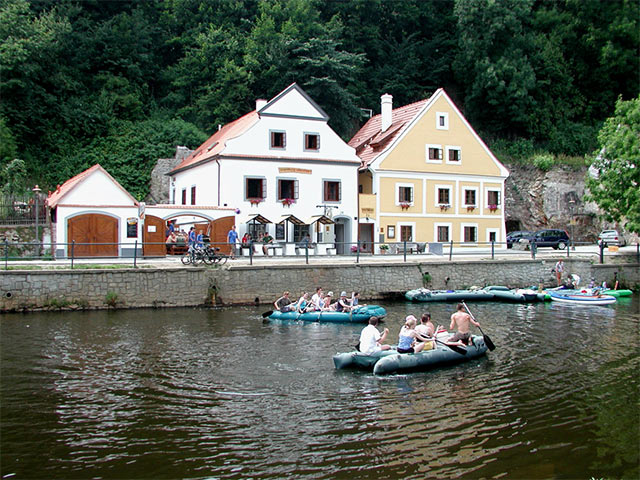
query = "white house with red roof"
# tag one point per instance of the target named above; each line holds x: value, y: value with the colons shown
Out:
x: 283, y: 167
x: 427, y: 177
x: 94, y: 216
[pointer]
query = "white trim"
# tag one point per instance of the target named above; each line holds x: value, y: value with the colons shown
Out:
x: 436, y: 196
x: 405, y: 185
x: 463, y: 225
x: 447, y: 149
x: 444, y: 115
x: 426, y: 152
x: 449, y: 225
x: 464, y: 197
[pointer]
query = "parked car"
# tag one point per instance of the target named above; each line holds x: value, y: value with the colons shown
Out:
x: 513, y: 237
x: 611, y: 237
x: 558, y: 239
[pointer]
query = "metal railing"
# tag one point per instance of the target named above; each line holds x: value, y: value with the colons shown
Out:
x: 22, y: 210
x: 406, y: 251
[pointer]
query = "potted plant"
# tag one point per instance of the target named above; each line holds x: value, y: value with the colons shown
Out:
x: 404, y: 205
x: 493, y: 207
x: 471, y: 208
x: 287, y: 201
x: 384, y: 248
x: 255, y: 201
x: 444, y: 206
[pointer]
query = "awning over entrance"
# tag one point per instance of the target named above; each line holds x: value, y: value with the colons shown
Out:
x: 257, y: 218
x: 291, y: 219
x: 320, y: 219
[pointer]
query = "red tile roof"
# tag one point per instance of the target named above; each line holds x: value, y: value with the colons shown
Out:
x: 216, y: 142
x: 54, y: 197
x: 369, y: 141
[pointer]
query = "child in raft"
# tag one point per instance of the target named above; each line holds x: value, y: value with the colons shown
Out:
x: 410, y: 341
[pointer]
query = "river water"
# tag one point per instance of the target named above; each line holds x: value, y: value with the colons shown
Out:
x: 196, y: 393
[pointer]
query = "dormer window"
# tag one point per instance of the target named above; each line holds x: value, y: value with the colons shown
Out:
x: 311, y: 142
x: 278, y: 139
x: 442, y: 120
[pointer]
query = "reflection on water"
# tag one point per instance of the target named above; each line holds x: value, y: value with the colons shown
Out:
x: 201, y: 393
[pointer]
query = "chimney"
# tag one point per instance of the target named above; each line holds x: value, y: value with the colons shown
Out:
x: 386, y: 107
x: 260, y: 103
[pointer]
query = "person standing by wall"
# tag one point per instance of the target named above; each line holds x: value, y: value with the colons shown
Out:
x: 232, y: 238
x: 559, y: 271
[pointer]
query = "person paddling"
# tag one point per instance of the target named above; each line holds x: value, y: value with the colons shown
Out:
x: 462, y: 321
x: 370, y: 339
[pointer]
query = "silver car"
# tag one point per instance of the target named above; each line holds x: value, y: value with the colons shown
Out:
x: 611, y: 237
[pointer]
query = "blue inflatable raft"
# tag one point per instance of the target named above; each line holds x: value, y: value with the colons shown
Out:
x: 358, y: 315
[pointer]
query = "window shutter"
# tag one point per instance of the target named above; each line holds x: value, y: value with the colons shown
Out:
x: 284, y: 140
x: 279, y: 189
x: 264, y: 188
x: 410, y: 195
x: 295, y: 189
x: 439, y: 154
x: 326, y: 191
x: 339, y: 187
x: 317, y: 142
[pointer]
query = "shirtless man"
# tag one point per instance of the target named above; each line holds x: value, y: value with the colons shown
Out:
x: 462, y: 319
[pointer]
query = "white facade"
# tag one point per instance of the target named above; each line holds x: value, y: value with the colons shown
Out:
x: 308, y: 158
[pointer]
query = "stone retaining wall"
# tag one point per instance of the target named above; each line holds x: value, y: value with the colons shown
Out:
x: 188, y: 286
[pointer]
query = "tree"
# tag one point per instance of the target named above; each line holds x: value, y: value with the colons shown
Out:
x: 614, y: 175
x: 15, y: 177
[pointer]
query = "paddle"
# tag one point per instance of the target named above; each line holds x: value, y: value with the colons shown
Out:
x: 486, y: 338
x: 267, y: 314
x: 455, y: 348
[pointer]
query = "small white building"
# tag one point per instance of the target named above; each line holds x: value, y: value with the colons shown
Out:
x: 282, y: 167
x: 94, y: 216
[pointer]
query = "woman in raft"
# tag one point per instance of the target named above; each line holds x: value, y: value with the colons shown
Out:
x: 410, y: 341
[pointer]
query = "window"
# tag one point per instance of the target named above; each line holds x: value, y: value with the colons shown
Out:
x: 280, y: 231
x: 444, y: 196
x: 332, y: 191
x: 434, y: 153
x: 311, y: 141
x: 442, y: 120
x: 454, y: 154
x: 493, y: 197
x: 184, y: 196
x: 443, y: 233
x: 470, y: 234
x: 173, y: 195
x: 493, y: 236
x: 299, y: 232
x: 470, y: 198
x: 287, y: 189
x: 406, y: 233
x: 255, y: 189
x: 193, y: 195
x: 405, y: 194
x: 278, y: 139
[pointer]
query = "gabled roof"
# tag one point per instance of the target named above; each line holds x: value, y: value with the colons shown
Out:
x: 55, y: 197
x: 369, y: 141
x: 216, y: 142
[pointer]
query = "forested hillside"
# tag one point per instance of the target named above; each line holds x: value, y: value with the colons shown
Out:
x: 123, y: 82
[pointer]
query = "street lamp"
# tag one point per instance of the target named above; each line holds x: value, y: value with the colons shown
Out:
x: 36, y: 194
x: 572, y: 206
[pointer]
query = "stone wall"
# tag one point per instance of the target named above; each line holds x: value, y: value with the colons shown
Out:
x: 132, y: 288
x: 159, y: 182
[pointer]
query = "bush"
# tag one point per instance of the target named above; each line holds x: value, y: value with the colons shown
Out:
x: 544, y: 161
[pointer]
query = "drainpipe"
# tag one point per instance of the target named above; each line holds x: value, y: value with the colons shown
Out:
x: 218, y: 162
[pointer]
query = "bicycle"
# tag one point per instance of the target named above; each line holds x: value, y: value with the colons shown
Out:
x: 194, y: 256
x: 211, y: 256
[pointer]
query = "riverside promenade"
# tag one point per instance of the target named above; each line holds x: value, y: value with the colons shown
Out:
x: 166, y: 282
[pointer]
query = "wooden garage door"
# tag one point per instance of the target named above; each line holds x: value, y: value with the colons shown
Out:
x: 153, y: 237
x: 219, y: 230
x: 95, y: 235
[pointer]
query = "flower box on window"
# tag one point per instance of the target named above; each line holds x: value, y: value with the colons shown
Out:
x: 287, y: 201
x: 255, y: 201
x: 471, y: 208
x: 493, y: 208
x: 444, y: 206
x: 404, y: 205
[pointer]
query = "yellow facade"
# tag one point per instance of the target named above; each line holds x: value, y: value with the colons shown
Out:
x: 456, y: 190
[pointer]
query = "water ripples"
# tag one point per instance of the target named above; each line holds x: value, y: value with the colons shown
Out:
x: 222, y: 394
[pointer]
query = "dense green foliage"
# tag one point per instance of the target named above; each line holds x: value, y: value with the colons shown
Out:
x: 123, y: 82
x: 614, y: 181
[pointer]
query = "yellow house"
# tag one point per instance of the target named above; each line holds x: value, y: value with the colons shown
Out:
x: 426, y: 176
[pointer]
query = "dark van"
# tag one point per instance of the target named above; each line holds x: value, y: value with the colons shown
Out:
x: 558, y: 239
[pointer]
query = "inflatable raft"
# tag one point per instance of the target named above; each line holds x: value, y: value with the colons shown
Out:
x: 358, y: 360
x: 578, y: 298
x: 358, y: 315
x: 426, y: 295
x: 417, y: 362
x: 518, y: 295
